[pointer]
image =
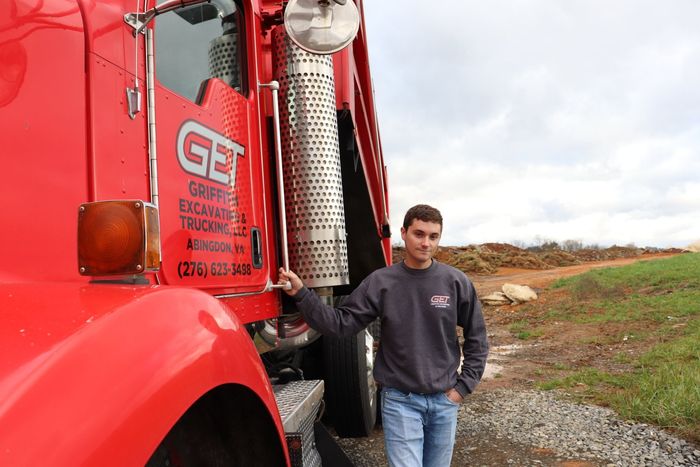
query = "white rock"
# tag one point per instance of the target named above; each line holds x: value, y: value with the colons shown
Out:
x: 519, y: 293
x: 495, y: 299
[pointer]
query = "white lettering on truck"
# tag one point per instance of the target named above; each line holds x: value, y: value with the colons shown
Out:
x: 203, y: 152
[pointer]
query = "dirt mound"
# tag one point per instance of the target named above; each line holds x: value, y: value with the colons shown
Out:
x: 616, y: 252
x: 513, y: 257
x: 694, y: 247
x: 470, y: 258
x: 503, y: 248
x: 488, y: 257
x: 559, y: 258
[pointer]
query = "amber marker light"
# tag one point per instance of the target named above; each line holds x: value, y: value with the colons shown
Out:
x: 118, y: 237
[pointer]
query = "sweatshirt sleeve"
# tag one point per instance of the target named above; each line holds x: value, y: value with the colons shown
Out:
x: 476, y: 347
x: 354, y: 314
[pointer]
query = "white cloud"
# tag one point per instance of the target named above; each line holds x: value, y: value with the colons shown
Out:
x: 524, y: 118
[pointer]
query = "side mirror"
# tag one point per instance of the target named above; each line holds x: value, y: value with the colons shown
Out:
x: 321, y: 26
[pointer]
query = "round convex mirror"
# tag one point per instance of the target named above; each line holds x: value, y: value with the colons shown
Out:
x: 321, y: 26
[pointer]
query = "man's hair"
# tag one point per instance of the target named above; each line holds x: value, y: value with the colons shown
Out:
x: 424, y: 213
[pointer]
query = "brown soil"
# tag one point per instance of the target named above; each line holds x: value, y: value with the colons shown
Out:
x: 559, y: 347
x: 539, y: 279
x: 492, y: 258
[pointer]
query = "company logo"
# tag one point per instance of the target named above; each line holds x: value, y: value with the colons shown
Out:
x: 440, y: 301
x: 205, y: 153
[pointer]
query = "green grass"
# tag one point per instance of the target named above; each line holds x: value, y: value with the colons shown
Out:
x: 623, y: 358
x: 670, y: 272
x: 588, y: 377
x: 663, y: 386
x: 659, y: 291
x: 524, y: 330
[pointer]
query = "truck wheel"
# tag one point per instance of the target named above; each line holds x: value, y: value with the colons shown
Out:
x: 351, y: 392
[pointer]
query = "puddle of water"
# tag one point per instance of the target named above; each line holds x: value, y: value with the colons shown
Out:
x: 505, y: 349
x: 491, y: 370
x: 498, y: 359
x: 496, y: 363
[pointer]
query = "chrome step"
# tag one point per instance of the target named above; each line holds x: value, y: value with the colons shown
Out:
x: 298, y: 403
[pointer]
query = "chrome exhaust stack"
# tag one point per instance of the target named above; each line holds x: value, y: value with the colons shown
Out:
x: 313, y: 190
x: 311, y: 164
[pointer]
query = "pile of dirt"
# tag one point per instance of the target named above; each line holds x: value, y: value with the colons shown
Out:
x: 559, y: 258
x: 614, y: 252
x: 486, y: 258
x: 469, y: 258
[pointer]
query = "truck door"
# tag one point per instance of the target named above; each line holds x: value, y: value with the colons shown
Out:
x: 210, y: 169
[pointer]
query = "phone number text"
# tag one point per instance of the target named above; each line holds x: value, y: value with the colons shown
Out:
x: 216, y: 269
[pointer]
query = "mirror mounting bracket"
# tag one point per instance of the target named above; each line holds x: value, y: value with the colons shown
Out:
x: 138, y: 21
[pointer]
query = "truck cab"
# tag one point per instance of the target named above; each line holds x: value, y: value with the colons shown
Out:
x: 163, y: 162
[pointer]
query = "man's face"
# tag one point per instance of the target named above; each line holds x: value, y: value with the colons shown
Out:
x: 421, y: 241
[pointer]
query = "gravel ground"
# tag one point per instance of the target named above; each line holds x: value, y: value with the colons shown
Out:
x: 535, y: 428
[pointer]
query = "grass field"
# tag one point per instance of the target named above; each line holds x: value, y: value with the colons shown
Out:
x: 656, y: 306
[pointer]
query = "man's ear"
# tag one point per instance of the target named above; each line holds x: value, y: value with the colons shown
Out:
x: 403, y: 234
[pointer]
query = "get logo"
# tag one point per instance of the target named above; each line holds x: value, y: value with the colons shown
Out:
x: 440, y: 301
x: 205, y: 153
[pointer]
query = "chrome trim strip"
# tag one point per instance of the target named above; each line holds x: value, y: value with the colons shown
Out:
x: 151, y: 103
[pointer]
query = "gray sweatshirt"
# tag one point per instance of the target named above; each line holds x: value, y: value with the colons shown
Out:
x: 420, y: 310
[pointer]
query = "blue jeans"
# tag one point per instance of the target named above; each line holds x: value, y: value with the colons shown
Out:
x: 419, y: 429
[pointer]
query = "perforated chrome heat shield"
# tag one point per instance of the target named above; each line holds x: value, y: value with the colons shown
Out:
x: 223, y: 60
x: 311, y: 159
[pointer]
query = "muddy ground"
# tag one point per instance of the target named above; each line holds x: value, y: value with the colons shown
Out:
x: 520, y: 364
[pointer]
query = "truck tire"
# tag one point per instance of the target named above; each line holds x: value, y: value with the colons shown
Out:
x: 351, y: 392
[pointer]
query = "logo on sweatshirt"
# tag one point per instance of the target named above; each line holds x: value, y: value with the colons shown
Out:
x: 440, y: 301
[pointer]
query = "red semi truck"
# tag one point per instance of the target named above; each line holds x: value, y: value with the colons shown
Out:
x: 161, y: 163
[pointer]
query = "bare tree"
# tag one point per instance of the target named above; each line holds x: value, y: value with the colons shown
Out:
x: 519, y: 244
x: 571, y: 245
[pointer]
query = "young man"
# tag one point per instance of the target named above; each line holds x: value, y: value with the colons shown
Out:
x: 420, y: 302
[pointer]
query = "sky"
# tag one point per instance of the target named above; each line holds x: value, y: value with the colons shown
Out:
x: 526, y: 120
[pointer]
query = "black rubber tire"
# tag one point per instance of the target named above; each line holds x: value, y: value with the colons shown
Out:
x: 349, y: 399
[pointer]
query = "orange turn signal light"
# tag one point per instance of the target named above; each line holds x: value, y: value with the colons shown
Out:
x: 118, y: 237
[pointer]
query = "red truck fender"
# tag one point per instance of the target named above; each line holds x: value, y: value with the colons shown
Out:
x: 98, y: 373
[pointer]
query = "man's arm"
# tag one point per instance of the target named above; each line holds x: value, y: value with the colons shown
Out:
x: 476, y: 347
x: 355, y: 313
